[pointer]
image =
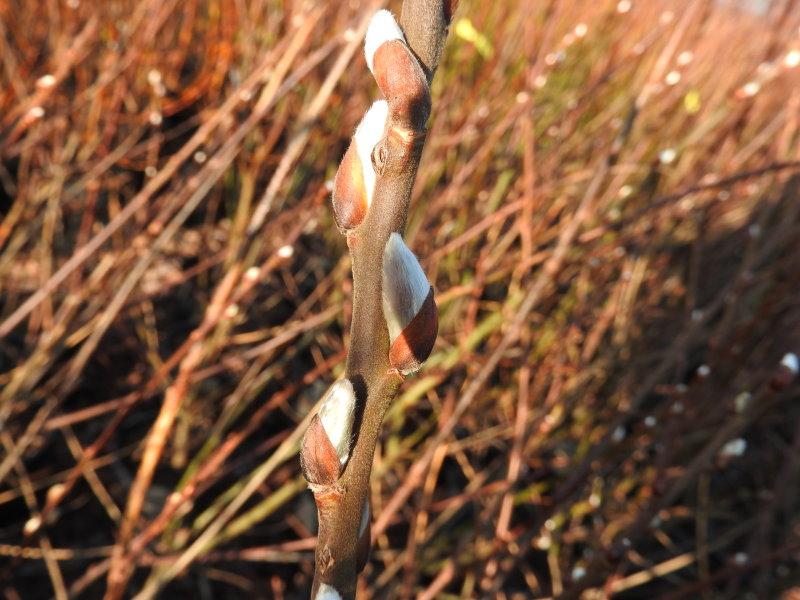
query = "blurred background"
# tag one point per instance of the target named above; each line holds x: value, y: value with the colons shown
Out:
x: 608, y: 209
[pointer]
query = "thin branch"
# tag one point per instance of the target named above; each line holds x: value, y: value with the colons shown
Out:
x: 394, y: 318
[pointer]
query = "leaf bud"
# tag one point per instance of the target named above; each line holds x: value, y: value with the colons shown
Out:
x: 408, y: 306
x: 354, y: 184
x: 397, y: 72
x: 326, y: 444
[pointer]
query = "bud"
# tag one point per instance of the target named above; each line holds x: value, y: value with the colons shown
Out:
x: 336, y: 413
x: 56, y: 493
x: 397, y: 72
x: 32, y: 525
x: 792, y: 59
x: 327, y: 592
x: 326, y: 443
x: 35, y: 112
x: 733, y: 448
x: 354, y: 184
x: 786, y: 372
x: 45, y: 81
x: 408, y: 306
x: 318, y: 458
x: 790, y: 362
x: 382, y: 28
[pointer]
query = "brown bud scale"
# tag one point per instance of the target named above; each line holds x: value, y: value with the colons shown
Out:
x: 782, y: 378
x: 403, y: 83
x: 318, y: 458
x: 414, y: 345
x: 349, y: 192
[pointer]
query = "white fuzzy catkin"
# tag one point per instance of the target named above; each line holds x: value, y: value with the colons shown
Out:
x: 734, y: 448
x: 326, y: 592
x: 336, y: 414
x: 791, y: 362
x: 382, y: 28
x: 368, y: 133
x: 405, y: 285
x: 32, y: 525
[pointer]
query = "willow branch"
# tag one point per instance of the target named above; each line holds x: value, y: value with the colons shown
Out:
x: 394, y: 318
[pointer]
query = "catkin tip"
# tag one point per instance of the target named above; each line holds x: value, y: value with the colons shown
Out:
x: 336, y: 414
x: 369, y: 132
x: 382, y: 28
x: 327, y: 592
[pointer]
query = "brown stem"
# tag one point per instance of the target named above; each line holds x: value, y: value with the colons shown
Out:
x: 425, y: 24
x: 375, y: 382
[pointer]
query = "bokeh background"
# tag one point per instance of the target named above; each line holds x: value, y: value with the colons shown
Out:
x: 607, y: 207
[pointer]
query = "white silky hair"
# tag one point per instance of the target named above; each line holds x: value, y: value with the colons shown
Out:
x: 327, y: 592
x: 368, y: 133
x: 791, y: 362
x: 337, y: 413
x: 382, y: 28
x: 405, y: 285
x: 733, y: 448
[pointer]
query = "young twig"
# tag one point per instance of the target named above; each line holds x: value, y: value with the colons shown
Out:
x: 395, y: 320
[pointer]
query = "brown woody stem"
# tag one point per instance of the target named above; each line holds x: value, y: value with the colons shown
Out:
x: 375, y: 382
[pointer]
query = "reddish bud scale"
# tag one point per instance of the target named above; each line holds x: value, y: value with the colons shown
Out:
x: 327, y: 499
x: 414, y: 345
x: 349, y: 192
x: 782, y: 378
x: 318, y: 458
x: 403, y: 83
x: 786, y: 373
